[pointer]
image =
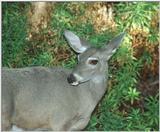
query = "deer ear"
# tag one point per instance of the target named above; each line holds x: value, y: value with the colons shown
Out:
x: 77, y: 44
x: 112, y: 46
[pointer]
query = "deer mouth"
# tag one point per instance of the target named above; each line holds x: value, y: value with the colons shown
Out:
x: 75, y: 83
x: 75, y: 79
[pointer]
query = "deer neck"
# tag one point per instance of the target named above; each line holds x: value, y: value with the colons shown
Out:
x: 98, y: 84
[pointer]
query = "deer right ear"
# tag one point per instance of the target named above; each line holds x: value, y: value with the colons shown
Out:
x: 110, y: 49
x: 77, y: 44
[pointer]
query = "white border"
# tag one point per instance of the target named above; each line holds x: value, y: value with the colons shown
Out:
x: 67, y: 1
x: 80, y: 0
x: 0, y: 55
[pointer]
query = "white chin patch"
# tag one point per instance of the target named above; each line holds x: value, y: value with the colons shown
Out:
x: 75, y: 83
x: 17, y: 129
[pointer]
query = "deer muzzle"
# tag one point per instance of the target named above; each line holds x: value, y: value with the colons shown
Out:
x: 72, y: 80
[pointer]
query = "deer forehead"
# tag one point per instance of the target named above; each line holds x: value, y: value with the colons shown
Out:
x: 90, y: 53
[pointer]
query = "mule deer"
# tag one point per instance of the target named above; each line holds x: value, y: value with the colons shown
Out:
x: 40, y: 98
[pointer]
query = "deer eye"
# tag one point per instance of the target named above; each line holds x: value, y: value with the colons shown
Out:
x: 93, y: 62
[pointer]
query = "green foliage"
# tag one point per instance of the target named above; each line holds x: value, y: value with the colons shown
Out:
x: 152, y: 106
x: 137, y: 14
x: 148, y: 120
x: 132, y: 95
x: 124, y: 68
x: 13, y: 34
x: 134, y: 120
x: 43, y: 59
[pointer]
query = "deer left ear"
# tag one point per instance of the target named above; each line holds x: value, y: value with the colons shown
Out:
x: 76, y: 43
x: 112, y: 46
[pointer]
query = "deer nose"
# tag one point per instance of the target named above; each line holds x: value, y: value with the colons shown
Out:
x: 71, y: 78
